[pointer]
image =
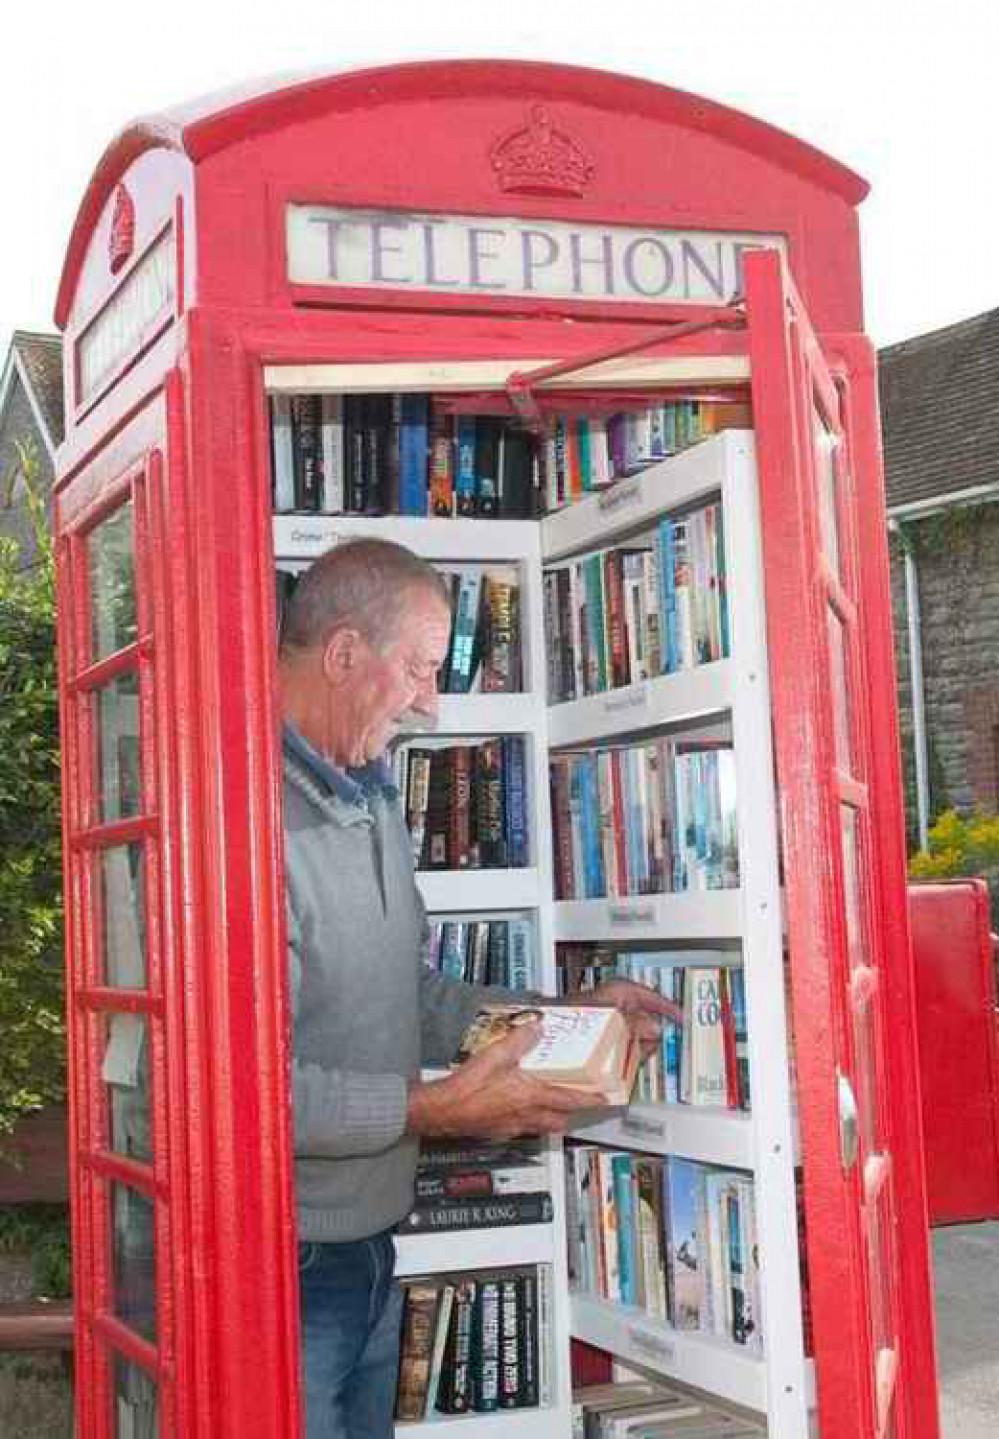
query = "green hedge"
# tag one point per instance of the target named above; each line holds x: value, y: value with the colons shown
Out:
x: 32, y: 1028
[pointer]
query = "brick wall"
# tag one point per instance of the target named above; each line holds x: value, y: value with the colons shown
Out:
x: 958, y: 564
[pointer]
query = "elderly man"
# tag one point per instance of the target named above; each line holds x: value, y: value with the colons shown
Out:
x: 364, y: 638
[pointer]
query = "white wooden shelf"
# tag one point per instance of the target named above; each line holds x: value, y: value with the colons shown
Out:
x: 669, y: 699
x: 710, y: 1135
x: 640, y: 500
x: 485, y: 714
x: 715, y: 1365
x: 517, y: 1423
x: 474, y: 1249
x: 303, y: 537
x: 461, y: 889
x: 714, y: 914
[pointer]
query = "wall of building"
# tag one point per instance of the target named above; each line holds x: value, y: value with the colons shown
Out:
x: 19, y: 426
x: 957, y: 554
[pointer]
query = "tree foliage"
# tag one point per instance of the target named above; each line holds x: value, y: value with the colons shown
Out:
x: 32, y: 1029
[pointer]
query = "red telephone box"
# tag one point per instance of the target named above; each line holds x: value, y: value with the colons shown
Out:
x: 500, y: 216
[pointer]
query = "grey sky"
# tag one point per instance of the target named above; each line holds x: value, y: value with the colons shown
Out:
x: 904, y: 93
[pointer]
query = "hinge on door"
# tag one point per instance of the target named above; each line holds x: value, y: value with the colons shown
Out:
x: 521, y: 385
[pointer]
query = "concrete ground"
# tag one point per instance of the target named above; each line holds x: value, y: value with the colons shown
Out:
x: 966, y: 1286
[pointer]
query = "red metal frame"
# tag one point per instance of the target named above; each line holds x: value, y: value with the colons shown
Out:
x: 188, y: 417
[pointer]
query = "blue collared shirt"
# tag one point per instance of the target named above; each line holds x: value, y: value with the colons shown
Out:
x: 353, y: 786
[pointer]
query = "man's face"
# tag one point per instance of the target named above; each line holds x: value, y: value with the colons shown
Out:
x: 395, y: 687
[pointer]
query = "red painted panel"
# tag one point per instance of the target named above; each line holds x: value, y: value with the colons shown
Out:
x: 959, y: 1072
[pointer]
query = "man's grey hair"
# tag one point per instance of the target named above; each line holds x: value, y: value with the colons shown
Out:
x: 364, y: 584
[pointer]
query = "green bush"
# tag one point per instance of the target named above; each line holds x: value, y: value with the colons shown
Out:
x: 32, y: 1029
x: 958, y: 846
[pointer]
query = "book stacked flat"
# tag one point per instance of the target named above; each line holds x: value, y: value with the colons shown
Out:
x: 482, y: 1186
x: 645, y: 1409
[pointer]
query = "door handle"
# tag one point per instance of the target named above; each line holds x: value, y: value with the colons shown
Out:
x: 849, y: 1123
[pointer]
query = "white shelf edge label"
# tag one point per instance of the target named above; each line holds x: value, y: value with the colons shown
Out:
x: 635, y: 697
x: 652, y: 1345
x: 638, y: 1127
x: 631, y: 914
x: 628, y: 493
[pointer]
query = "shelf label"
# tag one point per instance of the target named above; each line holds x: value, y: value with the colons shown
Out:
x: 628, y: 493
x: 654, y: 1346
x: 631, y: 914
x: 634, y: 698
x: 314, y: 535
x: 636, y: 1126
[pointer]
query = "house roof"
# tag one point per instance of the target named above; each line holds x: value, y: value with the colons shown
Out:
x: 41, y: 360
x: 940, y: 412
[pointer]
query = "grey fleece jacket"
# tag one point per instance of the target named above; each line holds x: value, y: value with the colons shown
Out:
x: 366, y: 1010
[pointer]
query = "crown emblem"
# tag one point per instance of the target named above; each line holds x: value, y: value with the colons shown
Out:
x: 122, y: 235
x: 537, y: 159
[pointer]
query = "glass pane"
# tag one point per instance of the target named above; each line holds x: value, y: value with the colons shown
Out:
x: 839, y: 688
x: 134, y: 1249
x: 825, y: 472
x: 866, y: 1067
x: 123, y: 932
x: 125, y: 1070
x: 137, y: 1408
x: 879, y: 1260
x: 114, y: 622
x: 850, y: 827
x: 119, y: 776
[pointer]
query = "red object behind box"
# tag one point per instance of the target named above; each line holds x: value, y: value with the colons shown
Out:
x: 958, y: 1048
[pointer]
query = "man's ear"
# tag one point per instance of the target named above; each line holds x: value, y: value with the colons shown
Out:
x: 341, y: 655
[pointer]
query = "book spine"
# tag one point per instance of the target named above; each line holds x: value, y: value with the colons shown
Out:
x: 486, y: 1347
x: 333, y: 456
x: 416, y: 1349
x: 414, y: 455
x: 488, y: 437
x: 487, y: 1183
x: 527, y: 1291
x: 456, y: 1397
x: 441, y: 464
x: 515, y: 800
x: 464, y: 479
x: 305, y: 423
x: 499, y: 1212
x: 282, y: 455
x: 509, y: 1344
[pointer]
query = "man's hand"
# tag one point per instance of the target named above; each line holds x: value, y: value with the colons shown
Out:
x: 491, y: 1097
x: 643, y: 1008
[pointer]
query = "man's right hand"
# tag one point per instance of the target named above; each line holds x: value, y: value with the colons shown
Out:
x: 491, y: 1097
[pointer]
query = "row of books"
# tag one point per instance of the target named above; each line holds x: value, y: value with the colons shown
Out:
x: 484, y: 951
x: 704, y: 1061
x: 465, y: 804
x: 619, y: 616
x: 475, y: 1343
x: 648, y: 1409
x: 401, y: 454
x: 484, y: 646
x: 586, y: 452
x: 644, y: 818
x: 669, y: 1236
x: 408, y: 454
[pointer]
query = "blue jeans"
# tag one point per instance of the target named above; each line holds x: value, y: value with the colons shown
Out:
x: 351, y: 1311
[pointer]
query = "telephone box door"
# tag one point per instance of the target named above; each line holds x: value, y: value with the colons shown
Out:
x: 833, y: 702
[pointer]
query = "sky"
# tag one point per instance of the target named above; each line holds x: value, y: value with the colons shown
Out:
x: 907, y: 94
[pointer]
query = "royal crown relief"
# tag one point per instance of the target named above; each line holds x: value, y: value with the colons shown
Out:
x: 539, y: 159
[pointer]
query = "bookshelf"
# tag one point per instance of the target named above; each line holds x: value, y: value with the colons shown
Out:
x: 724, y: 698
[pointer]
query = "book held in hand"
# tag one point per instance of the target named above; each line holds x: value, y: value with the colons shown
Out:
x: 586, y: 1047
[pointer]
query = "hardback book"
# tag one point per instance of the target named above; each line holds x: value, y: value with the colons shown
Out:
x: 587, y: 1047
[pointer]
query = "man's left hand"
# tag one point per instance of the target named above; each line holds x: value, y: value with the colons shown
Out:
x: 643, y: 1008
